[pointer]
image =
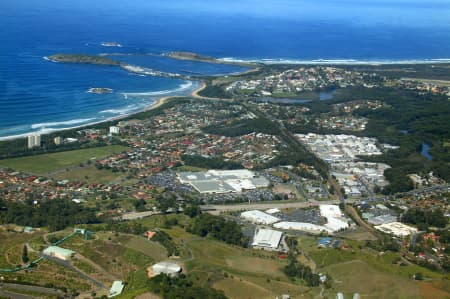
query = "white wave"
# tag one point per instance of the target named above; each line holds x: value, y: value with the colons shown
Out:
x: 61, y: 123
x: 182, y: 87
x: 336, y: 61
x: 48, y: 59
x: 122, y: 111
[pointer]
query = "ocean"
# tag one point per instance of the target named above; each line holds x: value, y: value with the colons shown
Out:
x: 37, y: 95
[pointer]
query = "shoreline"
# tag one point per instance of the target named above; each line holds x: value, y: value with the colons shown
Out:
x: 349, y: 61
x: 156, y: 104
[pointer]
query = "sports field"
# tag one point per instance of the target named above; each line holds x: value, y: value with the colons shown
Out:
x: 48, y: 163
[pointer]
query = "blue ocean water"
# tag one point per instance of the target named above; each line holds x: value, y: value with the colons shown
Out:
x: 39, y: 95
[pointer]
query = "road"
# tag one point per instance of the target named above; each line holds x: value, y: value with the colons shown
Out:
x: 9, y: 293
x: 67, y: 264
x: 138, y: 215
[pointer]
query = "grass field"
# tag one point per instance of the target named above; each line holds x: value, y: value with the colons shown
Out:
x: 152, y: 249
x: 371, y: 275
x: 46, y: 163
x: 357, y: 276
x: 44, y: 273
x: 11, y: 247
x: 435, y: 289
x: 249, y: 273
x: 92, y: 174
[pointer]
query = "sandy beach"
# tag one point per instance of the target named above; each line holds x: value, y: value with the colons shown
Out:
x: 159, y: 102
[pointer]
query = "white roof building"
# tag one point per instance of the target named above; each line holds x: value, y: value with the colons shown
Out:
x: 302, y: 226
x: 259, y: 217
x: 116, y: 289
x: 397, y: 229
x: 170, y: 269
x: 330, y: 211
x: 223, y: 181
x: 273, y: 211
x: 267, y: 239
x: 58, y: 252
x: 335, y: 222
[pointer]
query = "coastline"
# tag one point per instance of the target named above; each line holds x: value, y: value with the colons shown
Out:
x: 158, y: 101
x: 156, y: 104
x: 331, y: 62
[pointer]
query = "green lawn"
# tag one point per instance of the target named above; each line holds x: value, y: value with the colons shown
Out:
x: 249, y: 273
x: 91, y: 174
x: 152, y: 249
x: 357, y: 276
x: 45, y: 163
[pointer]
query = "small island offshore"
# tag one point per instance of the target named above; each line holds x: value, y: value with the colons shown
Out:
x: 111, y: 44
x: 103, y: 60
x: 83, y: 58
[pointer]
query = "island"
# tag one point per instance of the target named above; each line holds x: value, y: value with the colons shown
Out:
x: 183, y: 55
x: 100, y: 90
x: 83, y: 58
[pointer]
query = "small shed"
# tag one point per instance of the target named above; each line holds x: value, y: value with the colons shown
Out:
x: 168, y: 268
x: 116, y: 289
x: 59, y: 253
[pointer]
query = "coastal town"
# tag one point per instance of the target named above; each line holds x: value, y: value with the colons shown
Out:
x: 225, y: 149
x: 293, y: 81
x: 298, y: 181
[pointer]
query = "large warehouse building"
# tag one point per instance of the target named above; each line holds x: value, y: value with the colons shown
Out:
x: 397, y: 229
x: 302, y: 226
x: 258, y: 217
x: 267, y: 239
x: 223, y: 181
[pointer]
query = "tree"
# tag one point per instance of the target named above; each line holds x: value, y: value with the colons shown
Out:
x: 192, y: 211
x: 164, y: 203
x: 25, y: 258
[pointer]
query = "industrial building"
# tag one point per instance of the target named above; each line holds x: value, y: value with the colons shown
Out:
x: 335, y: 219
x: 167, y: 268
x: 258, y: 217
x: 397, y: 229
x: 335, y: 222
x: 223, y: 181
x: 267, y: 239
x: 302, y: 226
x: 116, y: 289
x: 59, y: 253
x: 382, y: 219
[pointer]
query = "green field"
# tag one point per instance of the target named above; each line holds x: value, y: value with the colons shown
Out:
x: 358, y: 270
x: 249, y: 273
x: 152, y: 249
x: 47, y: 163
x: 93, y: 175
x: 11, y: 247
x: 356, y: 276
